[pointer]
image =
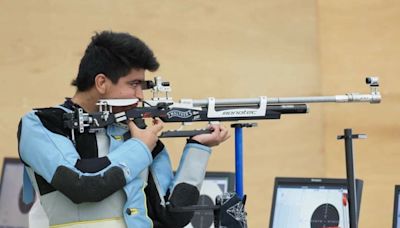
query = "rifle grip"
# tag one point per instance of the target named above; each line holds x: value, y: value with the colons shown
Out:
x: 140, y: 123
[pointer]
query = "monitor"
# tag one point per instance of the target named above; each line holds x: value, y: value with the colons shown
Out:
x: 396, y: 211
x: 311, y: 203
x: 13, y: 212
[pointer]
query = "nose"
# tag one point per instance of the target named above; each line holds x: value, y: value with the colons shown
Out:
x: 139, y: 92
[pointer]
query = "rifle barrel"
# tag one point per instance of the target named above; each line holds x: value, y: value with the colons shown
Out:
x: 351, y: 97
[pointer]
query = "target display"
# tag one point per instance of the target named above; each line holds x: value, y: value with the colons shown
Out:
x: 326, y: 215
x: 315, y: 203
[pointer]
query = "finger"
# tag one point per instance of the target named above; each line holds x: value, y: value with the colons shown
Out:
x: 227, y: 135
x: 157, y: 127
x: 224, y: 133
x: 216, y: 132
x: 132, y: 125
x: 223, y: 130
x: 160, y: 123
x: 216, y: 128
x: 157, y: 120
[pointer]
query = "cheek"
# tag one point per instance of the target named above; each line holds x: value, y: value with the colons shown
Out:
x: 126, y: 93
x: 116, y: 93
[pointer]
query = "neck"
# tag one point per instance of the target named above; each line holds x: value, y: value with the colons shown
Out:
x: 87, y: 100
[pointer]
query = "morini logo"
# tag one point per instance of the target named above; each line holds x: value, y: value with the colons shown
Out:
x: 179, y: 114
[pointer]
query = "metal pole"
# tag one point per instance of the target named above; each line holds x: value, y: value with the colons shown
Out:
x: 239, y: 160
x: 351, y: 182
x: 239, y: 156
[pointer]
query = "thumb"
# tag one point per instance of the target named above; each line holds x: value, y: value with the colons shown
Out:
x: 132, y: 126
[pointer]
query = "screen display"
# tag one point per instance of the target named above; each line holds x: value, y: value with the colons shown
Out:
x: 397, y: 215
x: 312, y: 206
x: 13, y: 212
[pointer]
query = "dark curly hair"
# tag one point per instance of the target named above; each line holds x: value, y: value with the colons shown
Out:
x: 114, y: 55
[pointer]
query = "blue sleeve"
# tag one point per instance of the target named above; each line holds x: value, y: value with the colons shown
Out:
x: 48, y: 154
x: 183, y: 188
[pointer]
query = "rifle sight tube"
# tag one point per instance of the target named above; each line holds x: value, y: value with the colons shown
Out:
x: 351, y: 97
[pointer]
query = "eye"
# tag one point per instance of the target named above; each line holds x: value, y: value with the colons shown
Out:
x: 135, y: 83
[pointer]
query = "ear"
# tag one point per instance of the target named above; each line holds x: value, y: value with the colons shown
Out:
x: 101, y: 83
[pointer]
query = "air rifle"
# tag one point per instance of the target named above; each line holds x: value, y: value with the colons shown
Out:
x: 208, y: 110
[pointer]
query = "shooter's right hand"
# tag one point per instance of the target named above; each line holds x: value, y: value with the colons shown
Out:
x: 148, y: 136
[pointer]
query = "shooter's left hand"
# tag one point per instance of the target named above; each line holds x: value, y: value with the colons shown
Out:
x: 218, y: 135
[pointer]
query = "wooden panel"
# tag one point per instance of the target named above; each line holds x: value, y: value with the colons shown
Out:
x: 359, y: 38
x: 219, y: 48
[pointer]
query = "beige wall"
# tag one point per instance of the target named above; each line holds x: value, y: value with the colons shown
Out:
x: 231, y: 49
x: 359, y: 38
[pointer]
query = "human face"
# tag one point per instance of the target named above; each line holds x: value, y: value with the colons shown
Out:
x: 127, y: 87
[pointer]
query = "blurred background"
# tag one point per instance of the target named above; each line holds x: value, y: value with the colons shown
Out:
x: 234, y: 49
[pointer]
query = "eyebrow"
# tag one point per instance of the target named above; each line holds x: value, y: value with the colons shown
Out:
x: 136, y: 81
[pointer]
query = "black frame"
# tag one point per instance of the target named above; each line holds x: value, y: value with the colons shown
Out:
x: 311, y: 182
x: 396, y: 202
x: 7, y: 160
x: 24, y: 208
x: 219, y: 175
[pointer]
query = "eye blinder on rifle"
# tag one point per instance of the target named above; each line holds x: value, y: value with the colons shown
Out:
x: 148, y: 84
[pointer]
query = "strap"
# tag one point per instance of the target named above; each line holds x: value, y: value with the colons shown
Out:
x: 28, y: 192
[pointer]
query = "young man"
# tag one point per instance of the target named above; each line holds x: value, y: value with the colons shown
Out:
x: 98, y: 179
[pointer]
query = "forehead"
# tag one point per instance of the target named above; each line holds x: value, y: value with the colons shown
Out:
x: 134, y: 74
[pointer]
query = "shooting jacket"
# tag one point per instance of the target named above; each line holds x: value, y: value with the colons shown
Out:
x: 103, y: 180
